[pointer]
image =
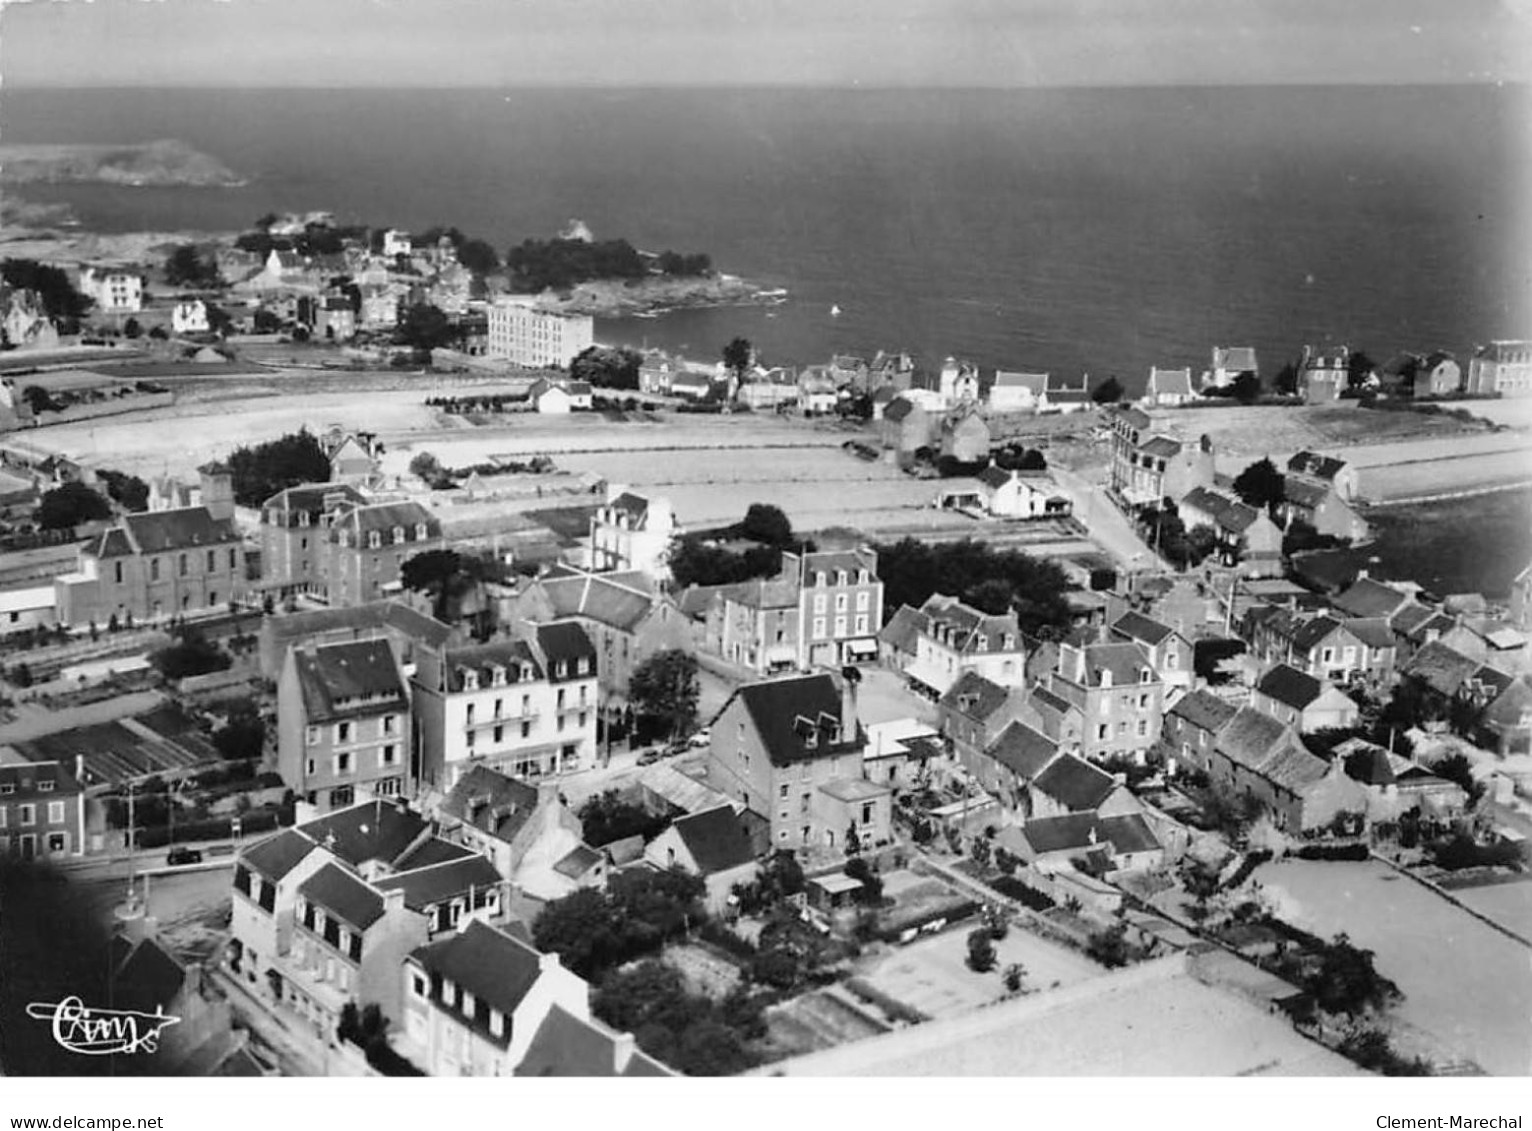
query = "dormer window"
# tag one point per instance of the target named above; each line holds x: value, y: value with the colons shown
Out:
x: 863, y: 577
x: 526, y: 671
x: 497, y: 676
x: 304, y: 518
x: 840, y: 577
x: 1010, y: 642
x: 983, y: 642
x: 45, y: 787
x: 819, y: 579
x: 374, y: 540
x: 1144, y: 675
x: 470, y: 679
x: 420, y: 532
x: 496, y: 1023
x: 398, y: 535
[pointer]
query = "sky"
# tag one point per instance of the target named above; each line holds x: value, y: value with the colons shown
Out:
x: 920, y: 43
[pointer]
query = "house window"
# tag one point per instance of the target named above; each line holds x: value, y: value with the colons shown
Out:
x: 212, y: 560
x: 1103, y: 731
x: 473, y: 734
x: 342, y: 732
x: 389, y: 721
x: 863, y: 601
x: 1328, y: 655
x: 55, y: 812
x: 1143, y: 727
x: 313, y: 766
x: 154, y: 569
x: 468, y: 718
x: 420, y: 532
x: 398, y: 535
x: 233, y: 558
x: 117, y: 572
x: 840, y: 626
x: 867, y: 812
x: 819, y: 628
x: 342, y: 763
x: 418, y: 985
x: 526, y: 729
x: 3, y: 813
x: 342, y: 796
x: 181, y: 565
x: 28, y: 815
x: 374, y: 539
x: 861, y: 625
x: 390, y: 755
x: 58, y: 842
x: 840, y: 602
x: 819, y: 602
x: 311, y: 736
x: 45, y: 787
x: 1143, y: 702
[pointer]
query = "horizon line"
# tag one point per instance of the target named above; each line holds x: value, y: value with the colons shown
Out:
x: 769, y: 86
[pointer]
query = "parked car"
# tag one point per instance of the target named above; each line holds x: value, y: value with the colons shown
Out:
x: 650, y: 757
x: 178, y: 856
x: 703, y: 737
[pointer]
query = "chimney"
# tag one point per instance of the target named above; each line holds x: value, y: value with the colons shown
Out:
x: 623, y: 1046
x: 79, y: 768
x: 549, y: 961
x: 393, y: 901
x: 850, y: 723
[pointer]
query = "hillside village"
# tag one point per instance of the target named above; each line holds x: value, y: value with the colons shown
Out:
x: 517, y: 768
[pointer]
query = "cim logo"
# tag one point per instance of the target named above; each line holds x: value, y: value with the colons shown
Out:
x: 102, y: 1032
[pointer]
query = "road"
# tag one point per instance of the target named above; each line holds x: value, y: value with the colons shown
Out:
x: 1109, y: 527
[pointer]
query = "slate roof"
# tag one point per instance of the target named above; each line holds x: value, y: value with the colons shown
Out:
x: 506, y: 655
x: 1367, y: 764
x: 370, y: 831
x: 1304, y: 494
x: 433, y: 850
x: 358, y: 618
x: 334, y: 678
x: 1204, y: 710
x: 763, y: 593
x: 565, y: 1045
x: 435, y: 884
x: 1308, y: 634
x: 1023, y: 750
x: 1316, y: 466
x: 1410, y: 617
x: 491, y: 802
x: 1441, y: 667
x: 966, y: 625
x: 1293, y: 768
x: 1124, y: 660
x: 1369, y: 598
x: 1129, y: 832
x: 384, y: 518
x: 902, y: 632
x: 159, y: 532
x: 149, y: 978
x: 1136, y: 626
x: 497, y: 968
x: 27, y: 776
x: 715, y: 839
x: 974, y: 696
x: 899, y: 409
x: 1237, y: 359
x: 1135, y: 417
x: 777, y: 706
x: 1290, y: 687
x: 341, y: 894
x: 1075, y: 783
x: 1510, y: 706
x: 1371, y: 631
x: 566, y: 641
x: 1250, y: 737
x: 994, y: 477
x: 1036, y: 382
x: 277, y: 855
x: 1164, y: 447
x: 1170, y: 382
x: 310, y: 498
x: 1062, y: 834
x: 636, y: 507
x: 1232, y: 516
x: 577, y: 861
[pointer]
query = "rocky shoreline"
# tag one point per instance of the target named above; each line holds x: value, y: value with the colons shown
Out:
x: 644, y: 298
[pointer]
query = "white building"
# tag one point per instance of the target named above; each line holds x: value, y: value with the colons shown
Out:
x: 959, y: 382
x: 1228, y: 363
x: 525, y: 335
x: 956, y: 638
x: 1018, y: 392
x: 189, y: 316
x: 396, y: 242
x: 524, y: 707
x: 114, y: 291
x: 632, y: 532
x: 1169, y: 387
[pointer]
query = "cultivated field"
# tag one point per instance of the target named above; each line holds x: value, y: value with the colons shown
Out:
x: 1508, y: 904
x: 1255, y: 430
x: 932, y: 975
x: 1464, y: 982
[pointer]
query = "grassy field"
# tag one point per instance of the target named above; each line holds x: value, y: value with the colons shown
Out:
x: 1473, y: 545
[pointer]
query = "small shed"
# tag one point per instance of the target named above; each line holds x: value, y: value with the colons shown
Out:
x: 832, y: 892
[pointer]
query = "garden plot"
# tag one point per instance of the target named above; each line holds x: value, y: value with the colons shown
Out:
x: 932, y: 975
x: 1465, y: 983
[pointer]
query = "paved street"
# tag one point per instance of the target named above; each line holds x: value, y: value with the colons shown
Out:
x: 1108, y: 526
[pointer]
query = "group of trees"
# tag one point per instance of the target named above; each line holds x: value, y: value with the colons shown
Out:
x: 424, y: 328
x: 191, y: 653
x: 128, y: 491
x: 559, y: 264
x: 1245, y: 388
x: 607, y: 817
x: 665, y: 692
x: 597, y: 931
x: 685, y: 1030
x: 1164, y: 529
x: 607, y: 367
x: 476, y: 255
x: 261, y: 471
x: 1109, y: 391
x: 991, y: 580
x: 675, y: 263
x: 1016, y: 457
x: 70, y: 505
x: 696, y: 560
x: 1261, y: 485
x: 187, y: 265
x: 447, y: 577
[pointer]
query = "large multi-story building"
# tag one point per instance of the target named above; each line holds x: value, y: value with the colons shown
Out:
x: 840, y: 605
x: 1118, y: 693
x: 523, y: 334
x: 42, y: 811
x: 295, y: 546
x: 368, y: 545
x: 1501, y: 367
x: 632, y: 532
x: 114, y: 291
x: 343, y: 723
x: 526, y: 707
x: 954, y: 638
x: 160, y: 564
x: 790, y: 750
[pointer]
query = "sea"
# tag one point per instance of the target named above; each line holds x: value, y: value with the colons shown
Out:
x: 1069, y: 231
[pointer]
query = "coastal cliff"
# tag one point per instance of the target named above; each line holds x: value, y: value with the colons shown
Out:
x: 630, y: 298
x: 156, y: 163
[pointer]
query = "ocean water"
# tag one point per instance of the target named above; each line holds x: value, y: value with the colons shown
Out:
x: 1102, y: 231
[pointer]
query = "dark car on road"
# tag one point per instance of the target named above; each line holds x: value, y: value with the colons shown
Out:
x: 177, y: 856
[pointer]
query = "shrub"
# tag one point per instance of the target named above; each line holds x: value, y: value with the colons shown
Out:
x: 981, y: 951
x: 1332, y: 852
x: 1026, y: 896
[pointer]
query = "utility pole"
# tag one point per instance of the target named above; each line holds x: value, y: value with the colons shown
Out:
x: 132, y: 842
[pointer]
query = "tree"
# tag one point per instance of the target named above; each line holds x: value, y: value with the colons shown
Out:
x: 1286, y: 380
x: 981, y: 951
x: 1108, y: 391
x: 191, y: 654
x: 242, y: 737
x: 665, y: 687
x: 186, y: 266
x: 994, y: 595
x: 766, y: 523
x: 1458, y: 769
x: 262, y: 471
x: 1260, y: 485
x: 607, y: 367
x: 424, y: 327
x: 912, y: 570
x: 1014, y: 973
x: 265, y: 321
x: 607, y: 817
x: 436, y: 573
x: 128, y: 491
x: 738, y: 356
x: 60, y: 300
x: 1346, y: 981
x: 70, y: 505
x: 1359, y: 369
x: 1246, y: 388
x: 478, y: 256
x: 871, y: 891
x: 131, y: 328
x: 1109, y: 946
